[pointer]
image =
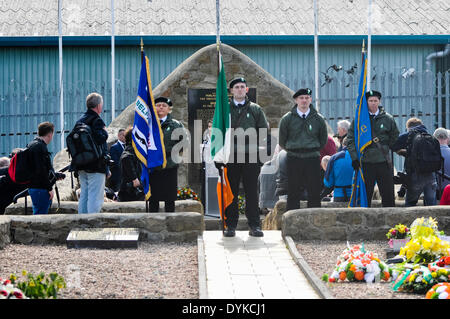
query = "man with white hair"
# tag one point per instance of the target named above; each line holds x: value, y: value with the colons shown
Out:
x: 342, y: 130
x: 443, y: 136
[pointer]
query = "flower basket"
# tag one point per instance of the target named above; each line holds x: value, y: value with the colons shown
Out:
x: 355, y: 264
x: 396, y: 244
x: 439, y: 291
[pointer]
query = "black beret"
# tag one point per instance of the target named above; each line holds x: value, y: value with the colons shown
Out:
x: 164, y: 100
x: 302, y: 92
x: 373, y: 93
x: 237, y: 80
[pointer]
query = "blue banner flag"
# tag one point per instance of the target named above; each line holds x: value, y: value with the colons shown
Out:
x: 363, y: 138
x: 148, y: 139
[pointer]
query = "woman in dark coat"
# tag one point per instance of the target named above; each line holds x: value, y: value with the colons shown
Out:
x: 164, y: 182
x: 131, y: 169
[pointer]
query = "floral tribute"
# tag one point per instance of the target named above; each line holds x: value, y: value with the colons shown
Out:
x: 425, y: 245
x: 8, y: 291
x: 187, y: 193
x: 355, y: 264
x: 400, y: 231
x: 439, y: 291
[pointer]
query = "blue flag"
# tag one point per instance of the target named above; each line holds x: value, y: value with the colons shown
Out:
x: 148, y: 139
x: 363, y: 138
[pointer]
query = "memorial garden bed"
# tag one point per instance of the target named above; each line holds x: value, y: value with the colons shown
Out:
x: 163, y: 270
x: 321, y: 256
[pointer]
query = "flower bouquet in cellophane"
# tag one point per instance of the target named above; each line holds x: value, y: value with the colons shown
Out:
x: 357, y: 265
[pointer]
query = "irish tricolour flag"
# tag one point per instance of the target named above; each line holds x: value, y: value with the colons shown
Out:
x: 221, y: 138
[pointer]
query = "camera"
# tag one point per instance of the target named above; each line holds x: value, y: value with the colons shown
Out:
x: 136, y: 191
x: 108, y: 160
x: 401, y: 178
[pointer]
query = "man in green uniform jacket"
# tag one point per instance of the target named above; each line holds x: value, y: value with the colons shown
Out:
x: 376, y: 160
x: 303, y: 133
x: 247, y: 118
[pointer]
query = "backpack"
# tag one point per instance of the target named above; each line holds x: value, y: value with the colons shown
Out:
x: 424, y: 153
x: 19, y: 169
x: 82, y: 147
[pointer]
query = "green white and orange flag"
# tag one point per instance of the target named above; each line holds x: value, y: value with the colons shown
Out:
x: 221, y: 137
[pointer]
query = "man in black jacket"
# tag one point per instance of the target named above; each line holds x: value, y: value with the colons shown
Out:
x: 42, y: 179
x: 93, y: 175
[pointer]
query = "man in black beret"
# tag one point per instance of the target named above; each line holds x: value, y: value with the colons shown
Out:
x: 163, y: 99
x: 376, y: 159
x: 245, y: 117
x: 303, y: 133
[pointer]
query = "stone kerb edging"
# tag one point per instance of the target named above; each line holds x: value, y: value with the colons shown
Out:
x: 356, y: 223
x: 70, y: 207
x: 53, y: 229
x: 315, y: 282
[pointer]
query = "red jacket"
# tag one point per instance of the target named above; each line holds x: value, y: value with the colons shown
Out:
x: 445, y: 199
x: 329, y: 149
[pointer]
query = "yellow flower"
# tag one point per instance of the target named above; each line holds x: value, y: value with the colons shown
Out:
x: 24, y: 273
x: 427, y: 242
x: 32, y: 284
x: 434, y: 274
x: 412, y: 278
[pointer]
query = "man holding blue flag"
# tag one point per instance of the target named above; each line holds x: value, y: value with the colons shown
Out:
x: 147, y: 136
x: 372, y: 134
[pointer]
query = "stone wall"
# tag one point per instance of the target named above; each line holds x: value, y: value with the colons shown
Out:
x: 4, y: 231
x: 356, y: 223
x: 272, y: 221
x: 54, y: 229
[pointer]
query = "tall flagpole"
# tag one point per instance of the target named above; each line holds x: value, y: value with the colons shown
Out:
x: 113, y: 58
x: 369, y: 46
x: 316, y: 56
x: 61, y: 85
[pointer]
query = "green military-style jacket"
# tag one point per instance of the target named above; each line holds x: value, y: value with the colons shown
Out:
x: 302, y: 138
x: 250, y: 115
x: 385, y: 129
x: 167, y: 127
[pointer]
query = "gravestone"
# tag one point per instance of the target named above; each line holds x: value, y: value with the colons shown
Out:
x: 105, y: 238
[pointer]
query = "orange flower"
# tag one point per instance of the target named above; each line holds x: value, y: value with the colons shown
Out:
x: 359, y: 275
x: 447, y: 260
x: 386, y: 276
x: 353, y: 268
x: 342, y: 275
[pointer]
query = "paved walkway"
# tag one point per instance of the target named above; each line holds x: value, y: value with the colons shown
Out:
x: 250, y: 267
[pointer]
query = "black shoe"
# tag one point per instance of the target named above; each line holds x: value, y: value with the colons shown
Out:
x: 256, y: 232
x: 230, y: 232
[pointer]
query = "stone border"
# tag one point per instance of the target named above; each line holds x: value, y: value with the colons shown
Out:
x: 202, y: 280
x: 54, y: 229
x: 315, y: 282
x: 356, y: 223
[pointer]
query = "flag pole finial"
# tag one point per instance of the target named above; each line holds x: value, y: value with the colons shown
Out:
x: 363, y: 46
x: 142, y: 45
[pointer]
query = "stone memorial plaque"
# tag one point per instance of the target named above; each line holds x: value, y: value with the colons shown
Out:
x: 103, y: 238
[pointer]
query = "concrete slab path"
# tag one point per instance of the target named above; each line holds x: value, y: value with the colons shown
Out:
x: 244, y: 267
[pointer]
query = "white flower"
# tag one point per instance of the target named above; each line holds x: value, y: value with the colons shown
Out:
x: 369, y: 277
x: 441, y: 289
x: 443, y: 295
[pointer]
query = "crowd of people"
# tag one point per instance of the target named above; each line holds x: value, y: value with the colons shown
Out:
x: 306, y: 164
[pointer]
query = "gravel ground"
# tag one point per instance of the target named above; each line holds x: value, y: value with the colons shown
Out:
x: 321, y: 257
x: 151, y: 271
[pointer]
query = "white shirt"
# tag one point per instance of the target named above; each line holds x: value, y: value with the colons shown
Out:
x: 237, y: 103
x: 376, y: 113
x: 301, y: 114
x: 163, y: 119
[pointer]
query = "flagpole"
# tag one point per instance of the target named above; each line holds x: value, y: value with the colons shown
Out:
x: 316, y: 56
x: 218, y: 72
x: 113, y: 58
x: 369, y: 46
x: 61, y: 84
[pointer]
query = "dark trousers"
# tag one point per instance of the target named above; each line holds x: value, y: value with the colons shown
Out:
x: 304, y: 173
x: 249, y: 173
x: 380, y: 173
x: 169, y: 206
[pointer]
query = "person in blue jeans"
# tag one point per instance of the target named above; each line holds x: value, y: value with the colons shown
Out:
x: 417, y: 183
x: 42, y: 179
x: 93, y: 175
